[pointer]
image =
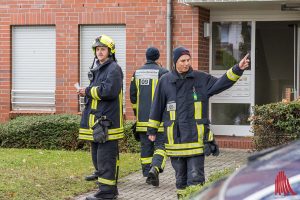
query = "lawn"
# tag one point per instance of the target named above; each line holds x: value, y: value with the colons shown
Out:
x: 47, y: 175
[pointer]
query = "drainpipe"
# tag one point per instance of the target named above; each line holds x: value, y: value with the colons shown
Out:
x: 169, y: 34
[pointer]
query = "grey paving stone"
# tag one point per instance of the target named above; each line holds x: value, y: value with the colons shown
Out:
x: 133, y: 187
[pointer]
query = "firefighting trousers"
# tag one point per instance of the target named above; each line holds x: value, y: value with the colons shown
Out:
x: 152, y: 153
x: 188, y: 171
x: 107, y: 164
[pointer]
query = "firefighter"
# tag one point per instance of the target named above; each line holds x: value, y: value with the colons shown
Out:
x: 181, y: 102
x: 102, y: 118
x: 142, y: 87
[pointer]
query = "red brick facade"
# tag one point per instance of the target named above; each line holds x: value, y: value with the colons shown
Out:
x: 145, y: 23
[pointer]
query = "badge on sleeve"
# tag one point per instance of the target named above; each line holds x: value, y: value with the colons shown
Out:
x: 171, y: 106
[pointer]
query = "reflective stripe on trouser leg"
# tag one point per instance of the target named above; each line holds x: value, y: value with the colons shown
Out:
x: 159, y: 157
x: 107, y: 157
x: 147, y: 150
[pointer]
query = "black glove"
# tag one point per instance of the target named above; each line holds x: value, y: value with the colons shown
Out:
x: 214, y: 148
x: 99, y: 133
x: 135, y: 134
x: 207, y: 149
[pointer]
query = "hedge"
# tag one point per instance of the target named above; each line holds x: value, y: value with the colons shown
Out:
x: 53, y: 132
x: 275, y: 124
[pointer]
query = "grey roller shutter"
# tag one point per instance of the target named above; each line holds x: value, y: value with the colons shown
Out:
x: 88, y: 33
x: 33, y: 67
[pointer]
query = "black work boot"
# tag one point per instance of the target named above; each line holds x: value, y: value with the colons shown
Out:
x: 148, y: 180
x: 91, y: 177
x: 153, y: 175
x: 101, y: 195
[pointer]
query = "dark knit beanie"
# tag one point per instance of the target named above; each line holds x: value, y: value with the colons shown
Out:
x: 152, y: 54
x: 179, y: 51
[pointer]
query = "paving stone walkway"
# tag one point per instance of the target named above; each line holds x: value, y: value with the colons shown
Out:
x: 133, y: 186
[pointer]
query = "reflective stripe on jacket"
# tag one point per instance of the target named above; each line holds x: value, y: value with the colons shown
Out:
x: 142, y: 88
x: 182, y: 104
x: 104, y: 97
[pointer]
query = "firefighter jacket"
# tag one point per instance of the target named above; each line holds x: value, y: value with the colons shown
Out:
x: 142, y: 88
x: 182, y: 104
x: 104, y: 97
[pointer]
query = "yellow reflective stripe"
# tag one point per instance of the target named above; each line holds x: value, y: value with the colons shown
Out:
x: 106, y: 181
x: 85, y: 131
x: 172, y: 115
x: 91, y: 120
x: 163, y: 154
x: 133, y: 105
x: 153, y: 123
x: 142, y: 129
x: 184, y: 152
x: 115, y: 130
x: 146, y: 161
x: 232, y: 76
x: 198, y: 110
x: 200, y: 130
x: 154, y: 82
x: 161, y: 129
x: 137, y: 83
x: 116, y: 137
x: 141, y: 123
x: 85, y: 137
x: 181, y: 192
x: 94, y: 93
x: 94, y: 104
x: 170, y: 133
x: 121, y: 107
x: 183, y: 146
x: 210, y: 136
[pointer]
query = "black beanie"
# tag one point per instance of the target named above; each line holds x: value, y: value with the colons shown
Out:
x: 152, y: 54
x: 179, y: 51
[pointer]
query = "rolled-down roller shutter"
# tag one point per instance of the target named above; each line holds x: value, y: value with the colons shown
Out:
x: 33, y: 68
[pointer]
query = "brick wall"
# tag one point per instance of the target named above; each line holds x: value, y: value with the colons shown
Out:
x: 145, y: 25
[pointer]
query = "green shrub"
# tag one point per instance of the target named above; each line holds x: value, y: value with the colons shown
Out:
x: 129, y: 144
x: 275, y: 124
x: 53, y: 132
x: 42, y: 132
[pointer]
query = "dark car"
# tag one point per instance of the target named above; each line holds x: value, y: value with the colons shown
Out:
x: 270, y: 174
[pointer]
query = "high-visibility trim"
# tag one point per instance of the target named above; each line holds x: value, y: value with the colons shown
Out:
x: 115, y: 130
x: 91, y: 120
x: 172, y: 115
x: 133, y: 105
x: 106, y: 181
x: 121, y: 108
x: 113, y: 134
x: 183, y: 146
x: 94, y: 104
x: 86, y: 137
x: 94, y: 93
x: 210, y: 136
x: 188, y: 152
x: 116, y: 137
x: 137, y: 83
x: 85, y: 131
x: 154, y: 83
x: 181, y: 191
x: 141, y: 129
x: 142, y: 124
x: 145, y: 161
x: 153, y: 123
x: 163, y: 154
x: 198, y: 109
x: 170, y: 130
x: 231, y: 75
x: 200, y: 131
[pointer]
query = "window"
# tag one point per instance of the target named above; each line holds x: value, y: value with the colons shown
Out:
x: 33, y: 68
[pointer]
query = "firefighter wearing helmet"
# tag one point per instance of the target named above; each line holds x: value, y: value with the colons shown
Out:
x: 102, y: 118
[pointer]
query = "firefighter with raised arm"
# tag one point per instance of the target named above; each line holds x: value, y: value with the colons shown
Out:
x: 181, y: 102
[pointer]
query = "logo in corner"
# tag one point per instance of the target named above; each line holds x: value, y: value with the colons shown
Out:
x: 282, y: 185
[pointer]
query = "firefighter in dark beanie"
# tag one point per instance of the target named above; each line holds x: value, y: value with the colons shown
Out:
x: 181, y: 103
x: 102, y: 118
x: 142, y: 87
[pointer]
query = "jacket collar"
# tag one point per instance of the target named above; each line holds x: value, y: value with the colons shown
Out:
x: 98, y: 66
x: 175, y: 76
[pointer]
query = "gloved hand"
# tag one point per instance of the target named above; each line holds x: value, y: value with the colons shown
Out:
x: 99, y: 133
x: 215, y: 148
x: 207, y: 149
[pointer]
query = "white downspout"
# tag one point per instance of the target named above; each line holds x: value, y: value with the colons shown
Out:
x: 169, y: 34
